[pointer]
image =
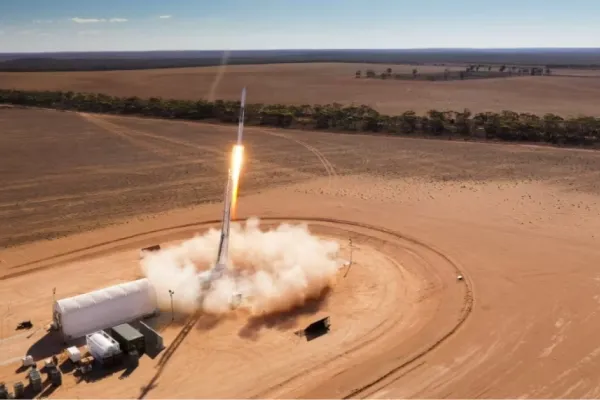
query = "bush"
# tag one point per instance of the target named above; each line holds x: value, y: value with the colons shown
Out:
x: 506, y: 126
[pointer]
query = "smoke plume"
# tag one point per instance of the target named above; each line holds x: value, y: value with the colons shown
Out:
x: 274, y: 270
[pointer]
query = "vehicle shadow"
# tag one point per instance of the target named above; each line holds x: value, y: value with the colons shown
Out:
x: 286, y: 320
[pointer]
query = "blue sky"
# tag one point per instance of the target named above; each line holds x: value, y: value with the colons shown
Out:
x: 94, y: 25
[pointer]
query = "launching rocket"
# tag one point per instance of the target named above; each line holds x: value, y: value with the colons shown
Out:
x: 241, y: 120
x: 220, y: 266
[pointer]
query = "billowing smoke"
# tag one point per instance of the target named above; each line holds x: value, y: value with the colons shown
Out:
x: 273, y: 270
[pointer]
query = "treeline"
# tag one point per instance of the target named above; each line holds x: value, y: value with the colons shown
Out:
x: 471, y: 71
x: 506, y: 125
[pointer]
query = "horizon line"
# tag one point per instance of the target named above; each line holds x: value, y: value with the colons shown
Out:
x: 308, y: 49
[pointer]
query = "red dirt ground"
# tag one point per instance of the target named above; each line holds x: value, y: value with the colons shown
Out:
x: 520, y: 223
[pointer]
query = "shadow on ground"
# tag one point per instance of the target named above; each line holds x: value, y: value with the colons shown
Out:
x: 100, y: 372
x: 51, y: 344
x: 286, y: 320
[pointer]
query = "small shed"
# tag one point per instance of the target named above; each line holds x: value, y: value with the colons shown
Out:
x: 74, y: 354
x: 129, y: 338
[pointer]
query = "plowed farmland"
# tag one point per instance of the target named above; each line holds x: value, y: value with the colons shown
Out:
x: 576, y: 93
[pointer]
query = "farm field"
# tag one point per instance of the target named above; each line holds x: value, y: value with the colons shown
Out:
x: 519, y: 223
x: 577, y: 93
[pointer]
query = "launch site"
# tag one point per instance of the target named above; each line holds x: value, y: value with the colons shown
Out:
x: 258, y: 223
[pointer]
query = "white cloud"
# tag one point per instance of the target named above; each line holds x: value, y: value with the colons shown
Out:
x: 96, y: 20
x: 87, y: 20
x: 42, y: 21
x: 165, y: 16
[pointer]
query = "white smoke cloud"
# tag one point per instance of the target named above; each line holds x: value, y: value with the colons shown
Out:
x: 274, y: 269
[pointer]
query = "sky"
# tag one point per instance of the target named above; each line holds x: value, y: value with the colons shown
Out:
x: 129, y: 25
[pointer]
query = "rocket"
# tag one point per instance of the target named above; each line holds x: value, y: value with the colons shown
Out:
x: 241, y: 120
x: 220, y: 267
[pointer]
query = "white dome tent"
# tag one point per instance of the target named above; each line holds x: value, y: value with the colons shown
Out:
x: 80, y: 315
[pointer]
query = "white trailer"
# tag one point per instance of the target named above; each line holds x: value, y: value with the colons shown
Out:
x: 80, y: 315
x: 102, y: 346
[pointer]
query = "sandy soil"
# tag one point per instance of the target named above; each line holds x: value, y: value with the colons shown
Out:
x: 520, y: 223
x: 330, y: 82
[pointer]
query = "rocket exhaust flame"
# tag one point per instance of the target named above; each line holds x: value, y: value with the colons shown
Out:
x: 237, y: 160
x: 237, y: 155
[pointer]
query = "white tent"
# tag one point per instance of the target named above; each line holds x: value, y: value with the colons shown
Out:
x: 89, y: 312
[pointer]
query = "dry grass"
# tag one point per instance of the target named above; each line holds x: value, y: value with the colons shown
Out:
x: 87, y: 171
x: 330, y: 82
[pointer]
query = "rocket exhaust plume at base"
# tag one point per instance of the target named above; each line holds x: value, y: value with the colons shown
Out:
x: 275, y: 269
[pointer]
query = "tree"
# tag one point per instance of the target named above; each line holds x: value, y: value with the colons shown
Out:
x: 507, y: 125
x: 370, y: 73
x: 435, y: 123
x: 408, y: 122
x: 358, y: 73
x: 415, y: 72
x: 389, y: 71
x: 463, y: 122
x: 502, y: 68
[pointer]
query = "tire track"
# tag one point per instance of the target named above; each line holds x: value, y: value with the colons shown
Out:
x: 329, y: 168
x: 258, y: 173
x: 220, y: 154
x: 466, y: 307
x: 125, y: 134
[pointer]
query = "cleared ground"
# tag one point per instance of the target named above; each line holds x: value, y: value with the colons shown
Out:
x: 520, y: 223
x: 330, y: 82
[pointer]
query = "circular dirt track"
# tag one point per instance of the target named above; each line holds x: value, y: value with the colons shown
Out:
x: 399, y: 300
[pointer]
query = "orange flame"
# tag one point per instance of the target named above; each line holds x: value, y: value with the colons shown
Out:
x: 237, y: 159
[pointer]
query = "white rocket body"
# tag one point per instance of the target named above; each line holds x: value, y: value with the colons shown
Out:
x: 220, y: 267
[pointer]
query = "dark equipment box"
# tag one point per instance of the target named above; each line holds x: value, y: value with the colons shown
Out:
x: 19, y: 389
x: 129, y: 338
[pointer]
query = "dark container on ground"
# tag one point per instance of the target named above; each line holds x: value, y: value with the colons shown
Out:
x: 129, y: 338
x: 317, y: 329
x: 19, y: 389
x: 55, y: 377
x: 35, y: 380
